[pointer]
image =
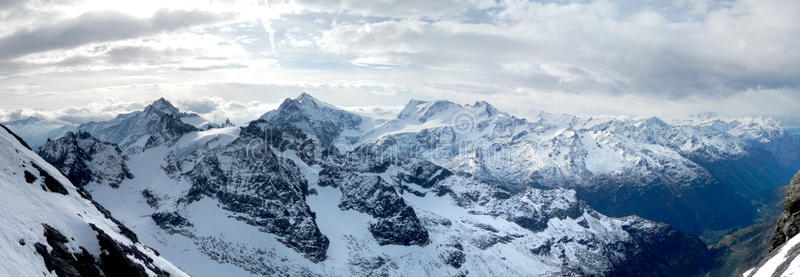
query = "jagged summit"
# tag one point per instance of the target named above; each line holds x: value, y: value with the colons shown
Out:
x: 323, y: 120
x: 131, y: 131
x: 84, y: 159
x: 489, y: 108
x: 654, y: 122
x: 307, y: 98
x: 163, y: 106
x: 77, y: 134
x: 304, y: 103
x: 424, y: 110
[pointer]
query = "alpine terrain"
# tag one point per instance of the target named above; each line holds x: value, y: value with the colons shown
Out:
x: 441, y: 189
x: 300, y: 191
x: 50, y: 227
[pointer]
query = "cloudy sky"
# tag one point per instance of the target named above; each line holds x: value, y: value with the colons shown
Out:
x: 90, y: 59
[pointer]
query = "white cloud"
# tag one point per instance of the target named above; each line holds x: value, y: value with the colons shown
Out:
x: 218, y: 110
x: 214, y: 109
x: 620, y: 57
x: 397, y: 8
x: 74, y: 115
x: 730, y: 50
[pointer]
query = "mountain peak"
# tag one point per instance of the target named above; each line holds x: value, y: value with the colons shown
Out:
x: 415, y: 102
x: 423, y: 110
x: 163, y: 106
x: 303, y: 97
x: 313, y: 116
x: 654, y: 122
x: 304, y: 102
x: 490, y: 110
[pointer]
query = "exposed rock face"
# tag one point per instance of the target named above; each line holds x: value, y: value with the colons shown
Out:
x: 61, y: 260
x: 643, y: 247
x: 789, y: 222
x: 783, y: 257
x: 52, y: 226
x: 266, y: 189
x: 172, y: 222
x: 169, y: 130
x: 114, y: 261
x: 660, y: 250
x: 84, y: 159
x: 397, y: 223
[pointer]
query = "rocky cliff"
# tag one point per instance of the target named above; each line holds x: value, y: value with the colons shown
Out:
x: 782, y: 259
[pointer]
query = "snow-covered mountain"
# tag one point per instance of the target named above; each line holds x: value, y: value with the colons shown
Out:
x: 697, y: 174
x: 132, y: 130
x: 51, y: 228
x: 297, y: 193
x: 321, y: 120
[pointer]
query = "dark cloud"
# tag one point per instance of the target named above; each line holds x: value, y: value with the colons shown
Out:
x: 98, y: 27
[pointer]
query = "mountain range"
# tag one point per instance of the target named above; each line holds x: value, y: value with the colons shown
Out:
x: 441, y: 189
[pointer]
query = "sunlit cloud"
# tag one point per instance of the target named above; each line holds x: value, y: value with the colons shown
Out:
x: 581, y: 57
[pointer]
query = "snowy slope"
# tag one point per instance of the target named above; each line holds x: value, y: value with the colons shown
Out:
x: 782, y: 261
x: 49, y: 227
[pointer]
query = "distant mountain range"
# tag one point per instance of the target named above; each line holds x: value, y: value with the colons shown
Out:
x: 442, y: 189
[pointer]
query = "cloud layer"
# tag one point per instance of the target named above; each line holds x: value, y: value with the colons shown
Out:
x: 665, y: 58
x: 92, y: 27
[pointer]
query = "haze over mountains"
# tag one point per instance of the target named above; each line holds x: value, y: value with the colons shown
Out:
x: 442, y: 188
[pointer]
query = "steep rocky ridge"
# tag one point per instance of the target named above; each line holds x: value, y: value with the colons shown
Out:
x: 782, y: 259
x: 52, y: 228
x: 84, y: 159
